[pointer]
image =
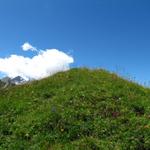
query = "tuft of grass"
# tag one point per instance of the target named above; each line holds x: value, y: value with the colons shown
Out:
x: 77, y: 109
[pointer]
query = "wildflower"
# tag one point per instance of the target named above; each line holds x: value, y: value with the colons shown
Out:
x: 62, y: 130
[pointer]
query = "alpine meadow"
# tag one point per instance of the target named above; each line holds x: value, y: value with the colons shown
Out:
x: 74, y: 74
x: 77, y: 109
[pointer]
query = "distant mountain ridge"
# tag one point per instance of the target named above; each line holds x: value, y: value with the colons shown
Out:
x: 7, y: 81
x: 18, y: 80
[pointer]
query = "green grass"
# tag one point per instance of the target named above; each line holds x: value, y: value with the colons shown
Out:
x: 80, y: 109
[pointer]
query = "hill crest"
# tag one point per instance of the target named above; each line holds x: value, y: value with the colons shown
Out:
x: 77, y: 109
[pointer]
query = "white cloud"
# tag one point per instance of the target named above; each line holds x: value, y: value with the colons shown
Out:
x: 27, y: 46
x: 45, y: 63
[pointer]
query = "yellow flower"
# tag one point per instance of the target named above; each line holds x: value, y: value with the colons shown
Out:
x: 62, y: 130
x: 146, y: 126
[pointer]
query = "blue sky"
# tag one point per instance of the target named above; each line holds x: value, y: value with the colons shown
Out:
x: 110, y: 34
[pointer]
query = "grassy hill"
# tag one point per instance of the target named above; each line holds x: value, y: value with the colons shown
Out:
x: 78, y: 109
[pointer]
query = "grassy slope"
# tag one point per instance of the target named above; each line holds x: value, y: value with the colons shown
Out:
x: 78, y: 109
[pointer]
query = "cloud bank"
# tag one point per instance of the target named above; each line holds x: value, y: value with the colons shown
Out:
x: 46, y: 62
